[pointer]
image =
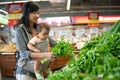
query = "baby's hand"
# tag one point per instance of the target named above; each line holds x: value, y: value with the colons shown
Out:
x: 36, y: 50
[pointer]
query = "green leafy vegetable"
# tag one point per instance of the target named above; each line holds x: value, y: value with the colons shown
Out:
x: 63, y: 48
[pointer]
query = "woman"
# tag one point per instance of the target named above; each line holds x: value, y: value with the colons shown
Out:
x: 25, y: 30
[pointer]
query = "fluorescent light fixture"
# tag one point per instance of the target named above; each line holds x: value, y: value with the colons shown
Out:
x: 3, y: 11
x: 68, y: 4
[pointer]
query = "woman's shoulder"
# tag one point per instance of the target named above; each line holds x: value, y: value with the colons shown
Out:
x: 19, y: 26
x: 19, y: 30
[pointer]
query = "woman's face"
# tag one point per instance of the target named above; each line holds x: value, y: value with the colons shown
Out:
x: 43, y: 34
x: 33, y: 17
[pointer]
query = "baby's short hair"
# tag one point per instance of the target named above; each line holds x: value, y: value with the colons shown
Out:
x: 43, y: 26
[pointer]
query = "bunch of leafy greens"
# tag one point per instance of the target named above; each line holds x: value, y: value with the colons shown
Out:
x: 63, y: 48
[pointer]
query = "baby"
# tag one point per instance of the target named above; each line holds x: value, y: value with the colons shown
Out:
x: 40, y: 43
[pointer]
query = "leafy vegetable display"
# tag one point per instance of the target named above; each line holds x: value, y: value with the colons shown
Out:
x: 63, y: 48
x: 99, y: 59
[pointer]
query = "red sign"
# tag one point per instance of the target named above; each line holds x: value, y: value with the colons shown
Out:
x: 15, y: 8
x: 12, y: 22
x: 93, y: 19
x: 14, y: 13
x: 93, y: 15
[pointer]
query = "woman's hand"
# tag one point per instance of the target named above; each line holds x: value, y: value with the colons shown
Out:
x: 36, y: 50
x: 47, y: 55
x: 53, y: 58
x: 50, y: 56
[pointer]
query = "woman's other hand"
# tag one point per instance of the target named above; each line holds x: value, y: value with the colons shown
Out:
x: 53, y: 58
x: 47, y: 55
x: 50, y: 56
x: 36, y: 50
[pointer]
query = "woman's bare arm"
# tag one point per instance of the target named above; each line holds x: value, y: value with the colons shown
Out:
x: 47, y: 55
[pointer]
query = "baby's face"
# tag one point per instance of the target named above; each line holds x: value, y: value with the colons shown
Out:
x: 43, y: 34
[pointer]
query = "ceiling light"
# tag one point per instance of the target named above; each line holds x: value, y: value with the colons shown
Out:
x: 68, y: 4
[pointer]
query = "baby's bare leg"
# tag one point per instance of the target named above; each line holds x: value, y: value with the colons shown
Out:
x: 36, y: 69
x: 37, y: 64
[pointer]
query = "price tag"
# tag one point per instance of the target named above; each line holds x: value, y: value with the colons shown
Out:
x: 79, y: 32
x: 105, y: 29
x: 63, y: 32
x: 60, y: 32
x: 94, y: 30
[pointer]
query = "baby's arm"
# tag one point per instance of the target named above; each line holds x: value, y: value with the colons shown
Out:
x: 31, y: 45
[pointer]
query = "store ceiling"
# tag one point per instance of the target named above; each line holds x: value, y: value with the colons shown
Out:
x: 77, y: 7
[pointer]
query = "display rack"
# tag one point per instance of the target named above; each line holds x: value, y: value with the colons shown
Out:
x: 7, y: 64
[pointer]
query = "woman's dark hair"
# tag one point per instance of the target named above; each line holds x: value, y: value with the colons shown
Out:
x: 43, y: 26
x: 28, y: 7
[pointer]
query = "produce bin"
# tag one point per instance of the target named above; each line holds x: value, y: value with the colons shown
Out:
x: 7, y: 64
x: 57, y: 64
